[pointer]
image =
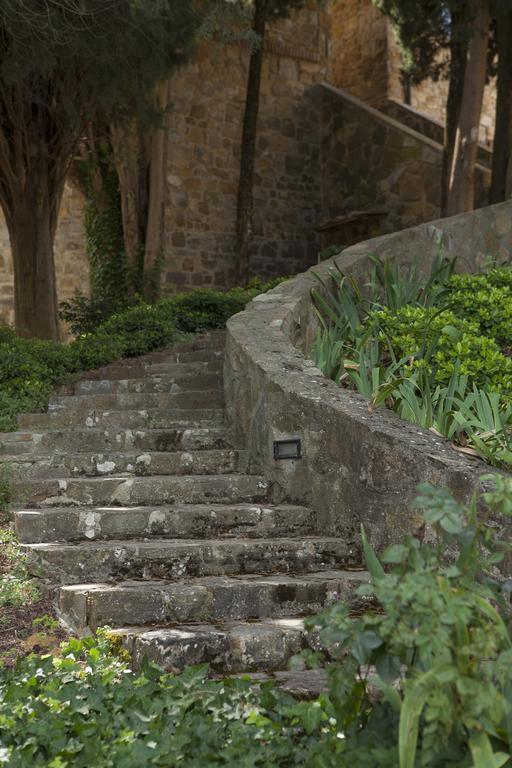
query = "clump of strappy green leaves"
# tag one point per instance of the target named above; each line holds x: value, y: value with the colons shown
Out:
x: 437, y: 349
x: 424, y: 680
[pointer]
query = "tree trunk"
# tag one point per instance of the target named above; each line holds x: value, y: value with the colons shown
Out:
x: 32, y: 219
x: 248, y: 147
x: 158, y: 155
x: 462, y: 171
x: 127, y: 150
x: 140, y: 157
x: 502, y: 151
x: 458, y: 58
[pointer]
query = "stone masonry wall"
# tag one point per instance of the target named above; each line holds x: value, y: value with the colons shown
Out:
x: 365, y: 61
x: 368, y: 160
x: 70, y: 260
x: 205, y: 132
x: 371, y: 161
x: 358, y: 50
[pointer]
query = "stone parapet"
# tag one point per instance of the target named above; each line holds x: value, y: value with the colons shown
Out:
x: 357, y: 466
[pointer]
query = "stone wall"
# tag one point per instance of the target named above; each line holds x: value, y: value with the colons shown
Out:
x: 71, y: 263
x: 372, y: 161
x: 365, y: 60
x: 358, y: 50
x: 205, y: 133
x: 357, y: 466
x: 315, y: 160
x: 428, y: 126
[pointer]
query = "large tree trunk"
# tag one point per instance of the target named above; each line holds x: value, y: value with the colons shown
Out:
x: 32, y: 219
x: 129, y: 159
x: 140, y: 157
x: 502, y: 151
x: 462, y: 172
x: 248, y: 147
x: 458, y: 58
x: 158, y: 157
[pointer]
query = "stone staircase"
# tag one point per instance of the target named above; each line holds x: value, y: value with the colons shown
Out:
x: 137, y: 513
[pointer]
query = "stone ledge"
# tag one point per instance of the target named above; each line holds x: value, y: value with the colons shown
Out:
x: 358, y: 466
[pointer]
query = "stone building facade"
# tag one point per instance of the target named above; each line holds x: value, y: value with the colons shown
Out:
x: 334, y: 164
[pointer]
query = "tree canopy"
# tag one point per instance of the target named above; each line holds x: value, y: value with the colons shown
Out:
x: 62, y: 63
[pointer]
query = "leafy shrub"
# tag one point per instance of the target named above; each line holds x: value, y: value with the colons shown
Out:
x: 488, y: 305
x: 84, y: 315
x: 427, y: 680
x: 440, y: 337
x: 16, y: 588
x: 95, y: 350
x: 86, y: 708
x: 203, y: 309
x: 193, y: 312
x: 140, y: 329
x: 436, y: 350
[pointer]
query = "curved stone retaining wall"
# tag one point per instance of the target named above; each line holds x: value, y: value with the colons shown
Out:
x: 357, y: 466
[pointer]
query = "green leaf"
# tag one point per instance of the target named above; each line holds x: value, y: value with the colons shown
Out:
x: 412, y: 707
x: 372, y: 561
x: 482, y: 754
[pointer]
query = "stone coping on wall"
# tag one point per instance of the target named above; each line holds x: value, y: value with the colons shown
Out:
x: 429, y: 126
x: 391, y: 121
x: 358, y: 466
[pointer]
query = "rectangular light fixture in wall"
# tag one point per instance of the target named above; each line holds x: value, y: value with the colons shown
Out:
x: 287, y: 449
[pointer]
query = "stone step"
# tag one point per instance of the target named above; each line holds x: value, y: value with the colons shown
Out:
x: 96, y: 439
x: 187, y: 399
x: 151, y: 418
x: 66, y: 465
x: 139, y: 370
x: 301, y: 684
x: 199, y: 521
x: 229, y: 648
x: 141, y: 491
x: 194, y: 356
x: 157, y: 382
x: 206, y: 600
x: 103, y: 561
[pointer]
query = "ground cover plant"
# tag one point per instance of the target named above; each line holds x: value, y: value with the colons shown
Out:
x: 420, y: 678
x: 437, y: 349
x: 31, y: 368
x: 27, y: 619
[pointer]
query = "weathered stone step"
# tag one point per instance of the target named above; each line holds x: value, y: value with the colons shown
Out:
x: 194, y: 356
x: 96, y: 439
x: 301, y: 684
x: 229, y: 648
x: 187, y: 399
x: 139, y: 370
x: 209, y: 599
x: 151, y: 418
x: 199, y: 521
x: 142, y: 491
x: 104, y: 561
x: 151, y: 384
x: 66, y: 465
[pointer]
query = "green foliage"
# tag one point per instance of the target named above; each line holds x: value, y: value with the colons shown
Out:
x: 30, y: 369
x: 487, y: 299
x: 16, y: 587
x: 86, y: 708
x: 426, y: 681
x: 437, y: 337
x: 109, y: 279
x: 436, y: 349
x: 141, y: 329
x: 96, y: 60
